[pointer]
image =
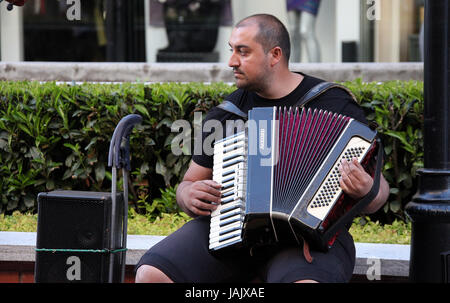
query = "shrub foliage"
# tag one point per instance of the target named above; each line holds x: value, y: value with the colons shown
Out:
x: 56, y: 136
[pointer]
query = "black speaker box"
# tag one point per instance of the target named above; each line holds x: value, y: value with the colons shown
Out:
x: 445, y: 259
x: 76, y: 225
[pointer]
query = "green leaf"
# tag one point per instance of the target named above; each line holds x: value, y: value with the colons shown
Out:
x: 394, y: 206
x: 142, y: 109
x: 402, y: 137
x: 100, y: 172
x: 50, y: 185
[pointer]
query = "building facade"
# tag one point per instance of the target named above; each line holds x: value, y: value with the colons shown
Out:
x: 330, y: 31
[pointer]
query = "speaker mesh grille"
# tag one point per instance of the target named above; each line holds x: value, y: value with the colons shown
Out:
x: 82, y: 221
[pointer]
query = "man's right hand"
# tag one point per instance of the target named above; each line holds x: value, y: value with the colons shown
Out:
x: 200, y: 198
x: 197, y: 194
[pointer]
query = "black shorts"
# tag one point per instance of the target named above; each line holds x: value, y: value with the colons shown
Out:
x: 184, y: 257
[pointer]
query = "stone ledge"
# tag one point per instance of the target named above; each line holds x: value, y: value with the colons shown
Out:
x: 392, y: 258
x: 197, y: 72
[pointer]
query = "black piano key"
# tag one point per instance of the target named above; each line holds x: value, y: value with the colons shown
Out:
x: 226, y: 222
x: 228, y: 200
x: 229, y: 215
x: 228, y: 172
x: 222, y: 239
x: 228, y: 193
x: 228, y: 230
x: 227, y: 209
x: 233, y: 140
x: 233, y: 148
x: 235, y: 161
x: 229, y: 185
x: 228, y: 158
x: 229, y: 221
x: 228, y: 179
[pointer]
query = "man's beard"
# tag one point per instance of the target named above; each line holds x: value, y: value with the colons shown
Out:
x: 256, y: 85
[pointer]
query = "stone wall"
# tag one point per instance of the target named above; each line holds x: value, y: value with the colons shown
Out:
x: 196, y: 72
x: 374, y: 262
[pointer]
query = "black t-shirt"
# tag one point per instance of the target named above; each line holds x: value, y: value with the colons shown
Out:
x: 334, y: 100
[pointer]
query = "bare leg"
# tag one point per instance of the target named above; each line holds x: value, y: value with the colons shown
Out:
x: 308, y: 36
x: 306, y: 281
x: 150, y: 274
x: 294, y: 32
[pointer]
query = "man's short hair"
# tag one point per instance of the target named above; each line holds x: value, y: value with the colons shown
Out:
x: 272, y: 33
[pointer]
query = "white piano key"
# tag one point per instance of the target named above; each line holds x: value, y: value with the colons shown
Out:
x: 238, y: 169
x: 225, y: 161
x: 224, y: 156
x: 216, y: 221
x: 232, y: 138
x: 225, y: 244
x: 221, y: 150
x: 228, y: 199
x: 231, y: 196
x: 230, y: 206
x: 219, y: 239
x: 233, y: 234
x: 217, y: 229
x: 236, y: 150
x: 228, y: 178
x: 223, y: 217
x: 230, y: 148
x: 219, y: 165
x: 220, y: 243
x: 226, y: 195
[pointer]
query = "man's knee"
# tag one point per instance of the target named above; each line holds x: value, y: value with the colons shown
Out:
x: 150, y: 274
x: 306, y: 281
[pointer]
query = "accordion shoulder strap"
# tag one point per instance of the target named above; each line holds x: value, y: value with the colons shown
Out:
x: 313, y: 93
x: 232, y: 108
x: 229, y: 106
x: 319, y: 89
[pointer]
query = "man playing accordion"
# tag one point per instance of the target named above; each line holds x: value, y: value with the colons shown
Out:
x: 260, y: 50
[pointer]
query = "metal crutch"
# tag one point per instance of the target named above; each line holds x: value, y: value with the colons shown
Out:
x: 119, y: 157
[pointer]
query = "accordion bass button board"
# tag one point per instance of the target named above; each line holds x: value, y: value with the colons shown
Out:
x: 281, y: 176
x: 330, y: 190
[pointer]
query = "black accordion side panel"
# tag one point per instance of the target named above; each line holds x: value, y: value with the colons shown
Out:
x: 259, y: 161
x: 257, y: 224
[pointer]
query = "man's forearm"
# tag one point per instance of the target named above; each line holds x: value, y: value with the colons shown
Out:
x: 181, y: 198
x: 380, y: 199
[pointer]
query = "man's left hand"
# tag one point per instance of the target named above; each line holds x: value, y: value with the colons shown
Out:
x: 355, y: 181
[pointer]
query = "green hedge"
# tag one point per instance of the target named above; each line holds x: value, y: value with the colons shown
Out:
x: 397, y: 108
x: 57, y: 136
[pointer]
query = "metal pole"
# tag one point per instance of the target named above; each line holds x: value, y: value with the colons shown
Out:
x: 125, y: 222
x: 429, y: 209
x: 113, y: 224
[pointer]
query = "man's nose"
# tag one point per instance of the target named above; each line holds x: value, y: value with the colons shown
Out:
x: 233, y: 61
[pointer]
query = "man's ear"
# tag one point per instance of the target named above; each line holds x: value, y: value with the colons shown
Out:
x: 276, y: 55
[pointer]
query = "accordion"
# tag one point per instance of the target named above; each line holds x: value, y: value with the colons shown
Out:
x: 280, y: 178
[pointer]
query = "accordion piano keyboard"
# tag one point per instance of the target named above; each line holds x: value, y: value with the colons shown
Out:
x: 229, y: 170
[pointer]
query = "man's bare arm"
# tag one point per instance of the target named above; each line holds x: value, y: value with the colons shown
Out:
x: 357, y: 183
x: 196, y: 192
